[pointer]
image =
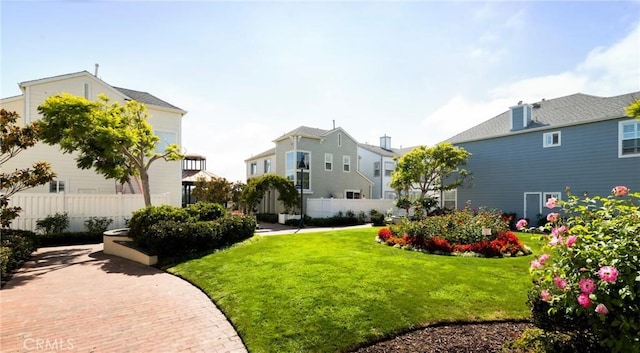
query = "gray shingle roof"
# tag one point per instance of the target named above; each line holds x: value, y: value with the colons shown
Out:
x: 269, y: 152
x: 381, y: 151
x: 304, y: 131
x: 570, y: 110
x: 145, y: 98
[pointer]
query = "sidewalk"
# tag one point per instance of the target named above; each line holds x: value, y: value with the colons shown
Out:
x: 278, y: 229
x: 77, y: 299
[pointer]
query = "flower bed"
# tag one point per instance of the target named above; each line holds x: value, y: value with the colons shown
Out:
x: 463, y: 233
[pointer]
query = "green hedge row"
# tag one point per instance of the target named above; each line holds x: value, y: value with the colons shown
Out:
x: 69, y: 238
x: 171, y: 232
x: 16, y: 247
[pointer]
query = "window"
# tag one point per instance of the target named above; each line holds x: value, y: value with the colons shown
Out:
x: 56, y: 186
x: 352, y: 195
x: 166, y: 139
x: 376, y: 169
x: 346, y: 163
x: 339, y: 139
x: 328, y: 161
x: 87, y: 91
x: 296, y: 160
x: 551, y: 139
x: 547, y: 195
x: 388, y: 168
x: 253, y: 168
x: 629, y: 138
x: 449, y: 199
x: 267, y: 166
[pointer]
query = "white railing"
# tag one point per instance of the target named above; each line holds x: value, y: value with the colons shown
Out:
x: 79, y: 207
x: 323, y: 208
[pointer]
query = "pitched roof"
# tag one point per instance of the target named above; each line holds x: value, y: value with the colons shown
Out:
x: 381, y: 151
x: 304, y: 131
x: 269, y: 152
x: 191, y: 176
x: 145, y: 98
x: 570, y: 110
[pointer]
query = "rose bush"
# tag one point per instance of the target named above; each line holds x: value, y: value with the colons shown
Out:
x: 588, y: 278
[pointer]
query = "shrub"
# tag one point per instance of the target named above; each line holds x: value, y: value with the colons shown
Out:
x: 589, y: 271
x: 377, y: 218
x: 70, y: 238
x: 97, y: 225
x: 384, y: 234
x: 54, y: 223
x: 437, y: 244
x: 267, y: 217
x: 206, y: 211
x: 16, y: 247
x: 145, y: 218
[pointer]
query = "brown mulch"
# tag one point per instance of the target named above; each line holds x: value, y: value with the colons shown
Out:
x: 452, y: 338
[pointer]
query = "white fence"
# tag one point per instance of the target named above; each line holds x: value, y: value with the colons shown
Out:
x: 323, y: 208
x: 79, y: 207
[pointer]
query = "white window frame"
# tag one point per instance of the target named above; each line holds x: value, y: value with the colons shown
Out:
x: 549, y: 194
x: 547, y: 139
x: 253, y: 168
x: 57, y: 182
x: 293, y: 174
x: 346, y: 164
x: 376, y: 169
x: 446, y: 197
x: 621, y: 138
x: 388, y: 172
x: 162, y: 144
x: 353, y: 193
x: 328, y: 161
x: 267, y: 165
x: 86, y: 90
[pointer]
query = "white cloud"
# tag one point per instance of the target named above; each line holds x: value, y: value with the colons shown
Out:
x: 606, y: 71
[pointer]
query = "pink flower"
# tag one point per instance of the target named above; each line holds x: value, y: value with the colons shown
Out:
x: 557, y: 231
x: 553, y: 217
x: 545, y: 295
x: 602, y: 309
x: 587, y: 285
x: 543, y: 258
x: 521, y: 224
x: 571, y: 240
x: 536, y: 265
x: 620, y: 191
x: 551, y: 202
x: 555, y: 240
x: 608, y: 273
x: 560, y: 282
x: 583, y: 299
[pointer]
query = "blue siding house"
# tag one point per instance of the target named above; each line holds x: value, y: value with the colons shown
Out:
x: 532, y: 152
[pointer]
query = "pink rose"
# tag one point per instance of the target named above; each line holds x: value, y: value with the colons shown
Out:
x: 521, y: 224
x: 571, y: 240
x: 587, y: 285
x: 602, y: 309
x: 555, y: 240
x: 543, y: 258
x: 545, y: 295
x: 560, y: 282
x: 553, y: 217
x: 536, y: 265
x: 583, y: 299
x: 620, y: 191
x: 556, y: 231
x: 608, y: 273
x: 551, y: 202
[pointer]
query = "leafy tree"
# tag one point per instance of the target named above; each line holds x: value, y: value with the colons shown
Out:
x: 430, y: 169
x: 236, y: 194
x: 115, y: 140
x: 633, y: 110
x: 216, y: 190
x: 14, y: 140
x: 253, y: 192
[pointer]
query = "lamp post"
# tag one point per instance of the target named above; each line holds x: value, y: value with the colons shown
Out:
x: 301, y: 166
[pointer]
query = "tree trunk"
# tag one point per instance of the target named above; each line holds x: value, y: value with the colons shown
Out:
x: 146, y: 192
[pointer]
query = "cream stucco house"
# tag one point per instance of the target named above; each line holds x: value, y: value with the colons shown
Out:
x: 165, y: 118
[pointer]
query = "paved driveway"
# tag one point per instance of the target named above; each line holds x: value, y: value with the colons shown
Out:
x: 77, y: 299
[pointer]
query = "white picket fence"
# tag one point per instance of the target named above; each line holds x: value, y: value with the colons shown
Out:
x: 79, y: 207
x: 323, y: 208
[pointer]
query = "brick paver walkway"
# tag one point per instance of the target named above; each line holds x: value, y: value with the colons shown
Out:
x: 77, y: 299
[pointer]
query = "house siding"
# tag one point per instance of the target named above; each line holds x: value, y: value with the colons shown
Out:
x: 505, y: 168
x: 165, y: 177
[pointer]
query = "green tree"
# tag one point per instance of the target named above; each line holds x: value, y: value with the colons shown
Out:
x: 116, y: 140
x: 633, y: 110
x: 430, y: 169
x: 16, y: 139
x: 216, y: 190
x: 256, y: 187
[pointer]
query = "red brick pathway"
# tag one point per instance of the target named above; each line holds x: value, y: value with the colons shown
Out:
x: 77, y: 299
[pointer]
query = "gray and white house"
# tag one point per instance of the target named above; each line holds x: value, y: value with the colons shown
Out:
x: 532, y: 152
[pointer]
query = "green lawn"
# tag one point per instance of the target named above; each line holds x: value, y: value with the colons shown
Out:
x: 334, y: 290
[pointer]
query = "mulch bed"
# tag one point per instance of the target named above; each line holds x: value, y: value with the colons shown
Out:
x: 449, y: 338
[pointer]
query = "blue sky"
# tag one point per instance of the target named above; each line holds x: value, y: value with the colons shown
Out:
x: 247, y: 72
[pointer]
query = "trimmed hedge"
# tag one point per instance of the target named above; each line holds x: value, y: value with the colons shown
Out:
x: 69, y: 238
x: 16, y: 247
